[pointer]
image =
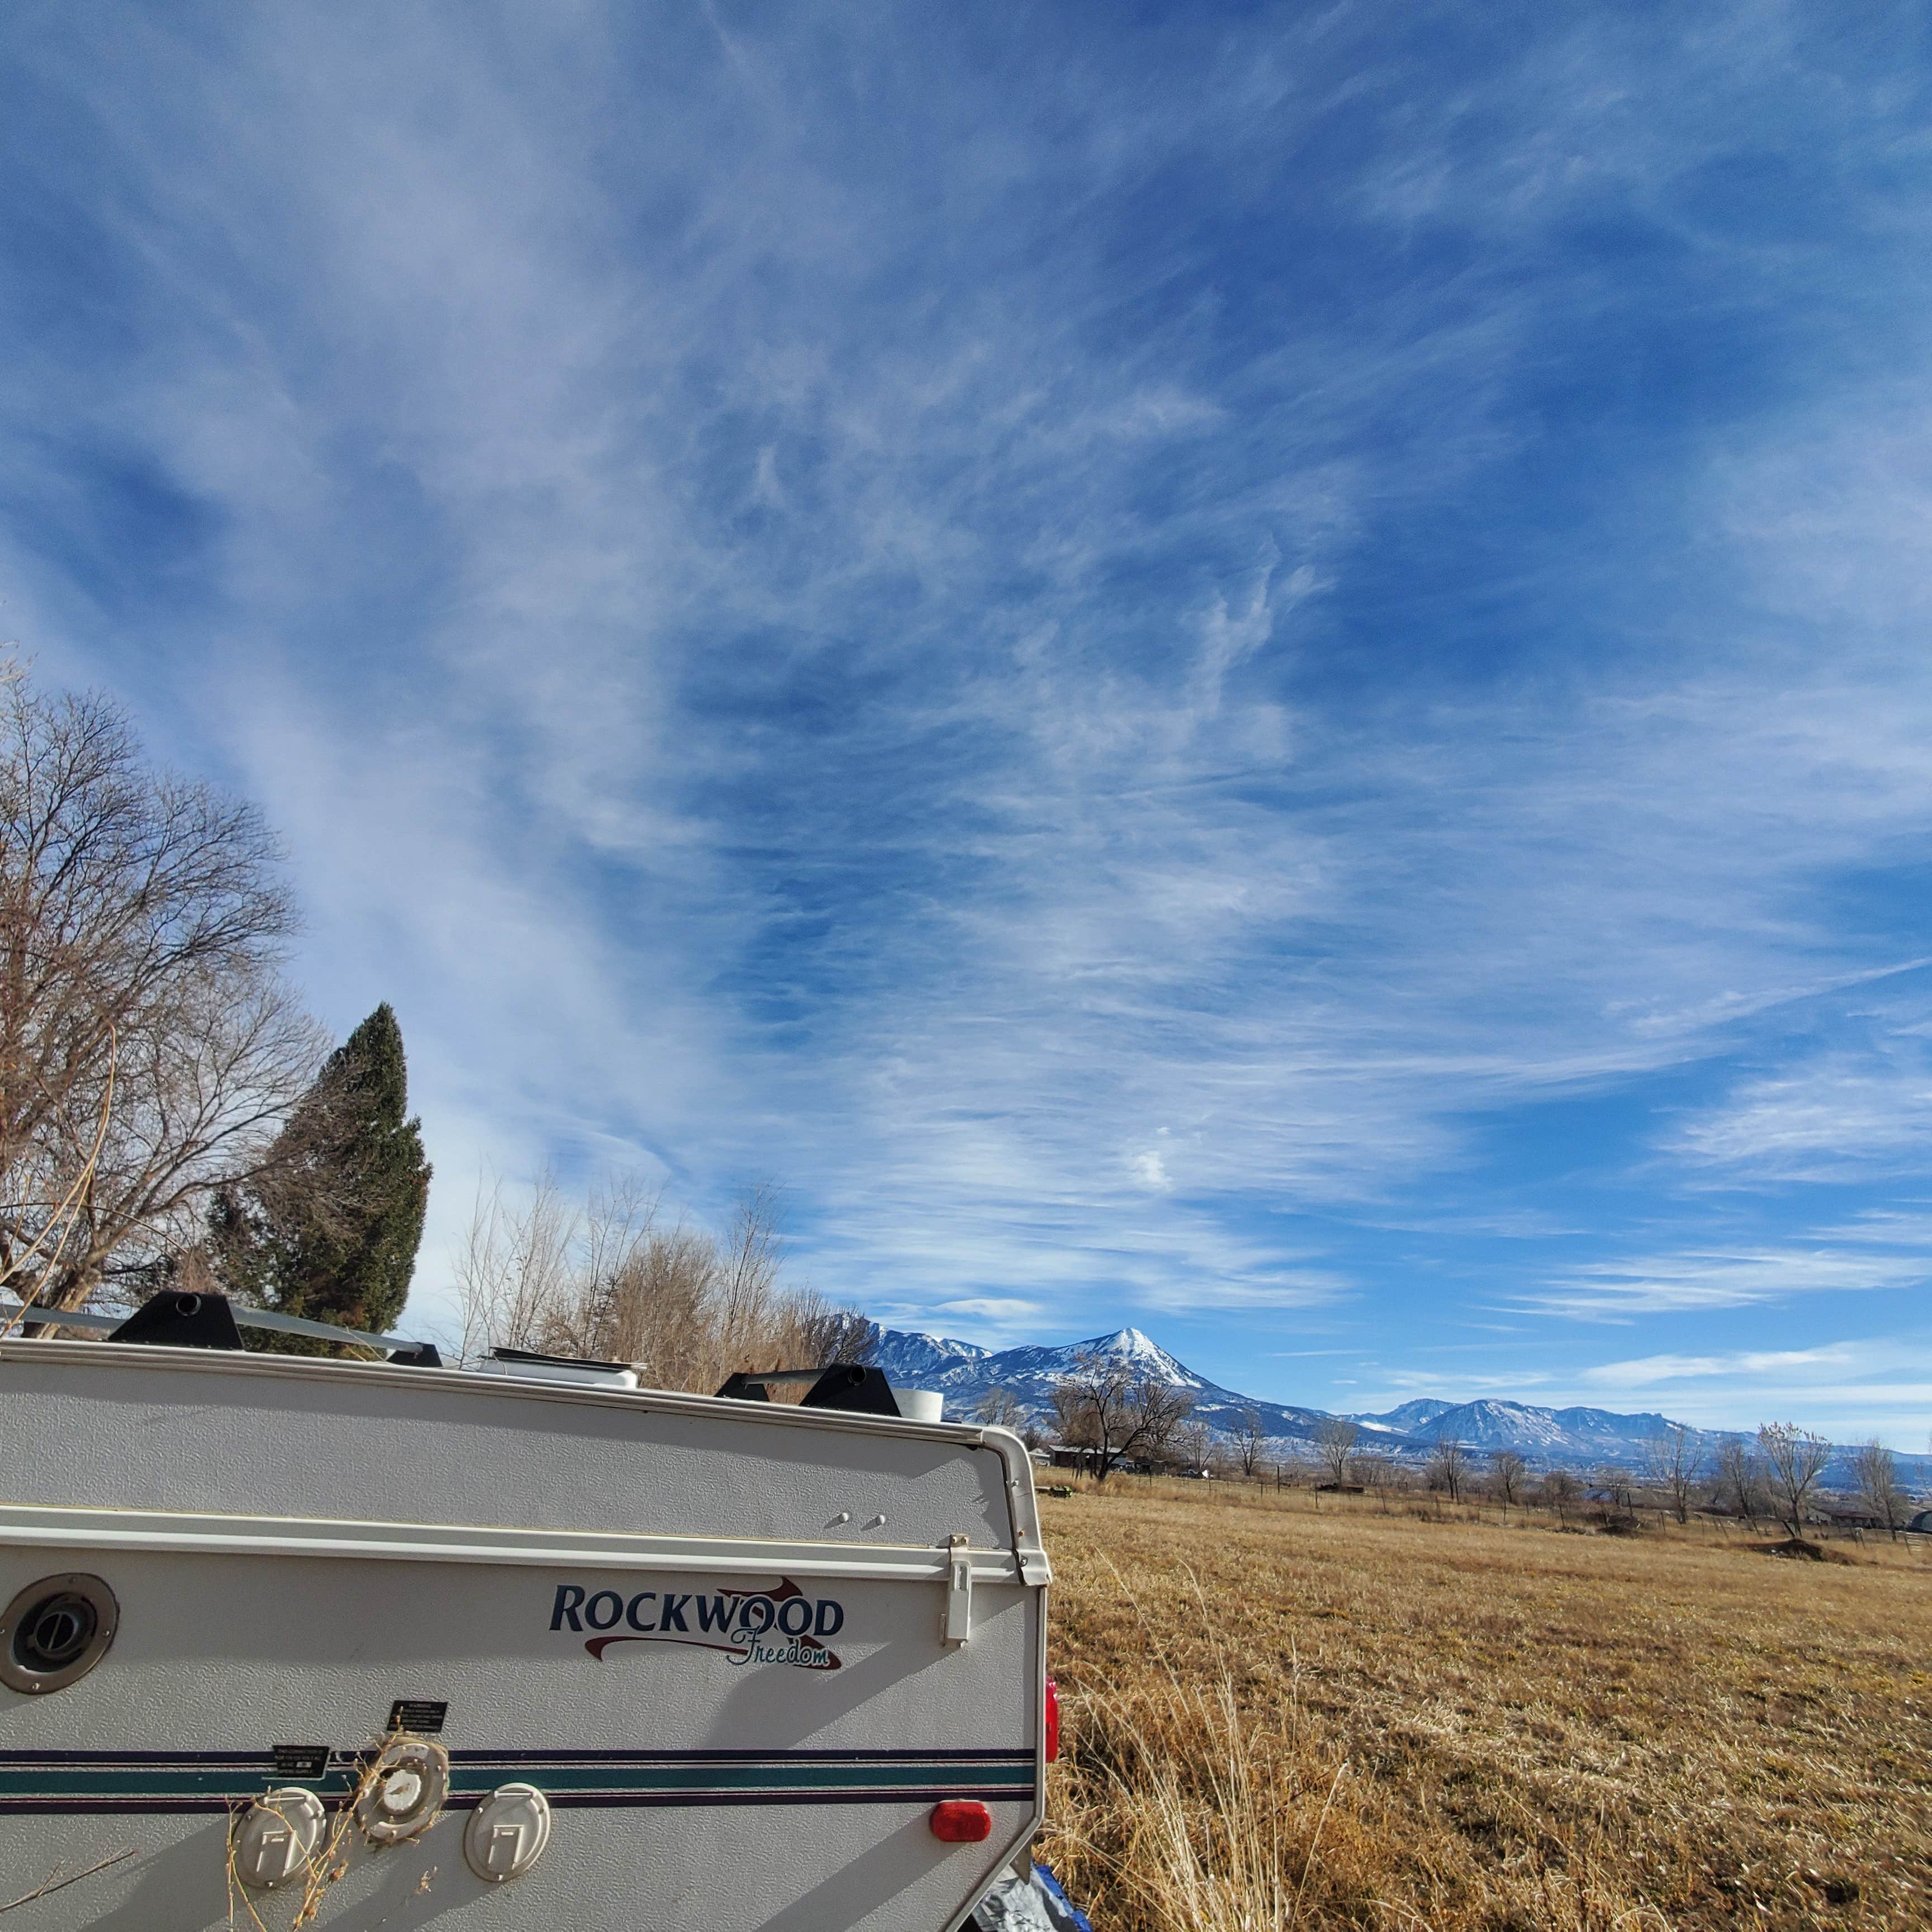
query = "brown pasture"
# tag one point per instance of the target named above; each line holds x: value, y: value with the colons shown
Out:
x: 1284, y: 1710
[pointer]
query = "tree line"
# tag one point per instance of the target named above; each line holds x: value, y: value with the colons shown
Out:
x: 168, y: 1110
x: 610, y: 1278
x: 169, y: 1114
x: 1111, y: 1412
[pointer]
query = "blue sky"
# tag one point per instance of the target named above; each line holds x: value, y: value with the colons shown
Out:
x: 1259, y: 669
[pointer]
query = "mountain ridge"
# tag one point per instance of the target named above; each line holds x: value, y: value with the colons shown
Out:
x: 1577, y: 1436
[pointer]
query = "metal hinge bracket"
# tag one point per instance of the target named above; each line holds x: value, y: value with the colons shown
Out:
x: 957, y: 1627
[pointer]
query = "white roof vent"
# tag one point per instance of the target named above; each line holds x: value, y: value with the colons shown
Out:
x: 526, y: 1366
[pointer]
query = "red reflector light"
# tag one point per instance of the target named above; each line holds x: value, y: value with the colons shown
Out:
x: 960, y: 1821
x: 1052, y: 1721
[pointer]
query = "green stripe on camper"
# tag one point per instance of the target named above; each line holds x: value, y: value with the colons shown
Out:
x: 76, y: 1780
x: 775, y: 1775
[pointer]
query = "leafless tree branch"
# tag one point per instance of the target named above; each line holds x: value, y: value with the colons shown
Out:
x: 142, y: 923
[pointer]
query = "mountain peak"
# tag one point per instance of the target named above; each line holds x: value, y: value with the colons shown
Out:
x: 1146, y: 1355
x: 966, y: 1374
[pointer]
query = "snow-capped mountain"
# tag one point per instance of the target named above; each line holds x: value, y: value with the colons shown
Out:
x: 923, y: 1361
x: 965, y: 1375
x: 1543, y: 1433
x: 1582, y: 1439
x: 932, y: 1361
x: 1409, y: 1415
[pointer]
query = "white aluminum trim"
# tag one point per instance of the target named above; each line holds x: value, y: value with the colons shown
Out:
x: 423, y: 1383
x: 53, y: 1527
x: 1022, y: 1504
x: 1028, y: 1834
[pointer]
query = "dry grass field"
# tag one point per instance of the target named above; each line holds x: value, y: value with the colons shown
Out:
x: 1297, y: 1710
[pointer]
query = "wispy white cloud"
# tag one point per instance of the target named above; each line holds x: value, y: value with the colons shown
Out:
x: 1848, y: 1389
x: 1738, y: 1278
x: 1646, y: 1371
x: 1835, y: 1118
x: 1006, y: 1315
x: 802, y: 615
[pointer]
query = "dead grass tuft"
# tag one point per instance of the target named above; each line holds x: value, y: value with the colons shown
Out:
x: 1804, y: 1552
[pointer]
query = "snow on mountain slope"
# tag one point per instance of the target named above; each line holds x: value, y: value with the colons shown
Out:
x: 1019, y: 1366
x: 927, y: 1361
x: 965, y: 1373
x: 1545, y: 1434
x: 1494, y: 1425
x: 923, y: 1361
x: 1582, y: 1439
x: 1410, y: 1415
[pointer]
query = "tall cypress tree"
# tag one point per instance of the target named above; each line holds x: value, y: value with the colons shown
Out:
x: 332, y: 1232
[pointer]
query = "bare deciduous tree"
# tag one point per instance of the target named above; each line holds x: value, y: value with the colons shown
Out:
x: 822, y: 1332
x: 1560, y: 1491
x: 1091, y: 1404
x: 1740, y: 1484
x: 1113, y: 1408
x: 1193, y: 1446
x: 747, y: 1278
x: 1674, y: 1461
x: 1076, y: 1424
x: 514, y: 1271
x: 1509, y: 1476
x: 1000, y: 1407
x: 608, y: 1281
x: 1794, y: 1459
x: 1448, y: 1466
x: 1618, y: 1485
x: 1251, y: 1445
x: 1335, y: 1440
x: 142, y: 920
x: 1378, y: 1475
x: 1160, y: 1409
x: 1877, y: 1473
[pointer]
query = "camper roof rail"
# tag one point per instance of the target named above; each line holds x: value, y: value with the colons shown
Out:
x: 851, y: 1386
x: 182, y: 1318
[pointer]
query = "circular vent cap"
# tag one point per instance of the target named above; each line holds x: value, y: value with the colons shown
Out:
x: 55, y: 1631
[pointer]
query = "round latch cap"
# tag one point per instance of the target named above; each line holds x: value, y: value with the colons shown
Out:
x: 407, y: 1788
x: 276, y: 1836
x: 507, y: 1832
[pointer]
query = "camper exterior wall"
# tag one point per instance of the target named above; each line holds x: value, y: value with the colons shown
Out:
x: 711, y: 1633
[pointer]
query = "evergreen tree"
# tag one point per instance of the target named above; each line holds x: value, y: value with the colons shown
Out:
x: 331, y: 1231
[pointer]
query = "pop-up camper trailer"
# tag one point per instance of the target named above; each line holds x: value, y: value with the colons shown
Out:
x: 418, y: 1646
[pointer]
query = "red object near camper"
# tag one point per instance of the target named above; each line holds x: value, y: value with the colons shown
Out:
x: 962, y: 1821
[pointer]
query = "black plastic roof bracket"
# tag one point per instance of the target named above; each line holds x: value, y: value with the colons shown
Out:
x: 423, y: 1355
x: 847, y: 1385
x: 742, y: 1387
x: 175, y: 1318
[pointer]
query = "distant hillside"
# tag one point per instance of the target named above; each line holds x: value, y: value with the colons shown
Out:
x: 1585, y: 1438
x: 1546, y: 1432
x: 1410, y: 1415
x: 964, y: 1374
